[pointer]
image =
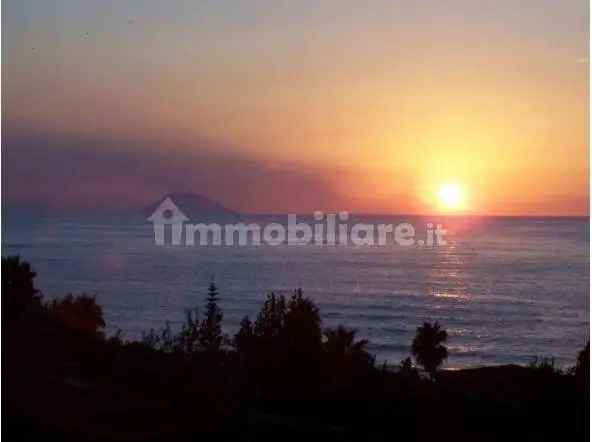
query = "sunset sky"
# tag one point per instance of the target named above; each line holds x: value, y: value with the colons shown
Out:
x: 275, y: 106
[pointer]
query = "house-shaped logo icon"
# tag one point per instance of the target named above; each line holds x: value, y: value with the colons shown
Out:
x: 167, y: 212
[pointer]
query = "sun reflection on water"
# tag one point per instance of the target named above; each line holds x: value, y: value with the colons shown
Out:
x: 450, y: 295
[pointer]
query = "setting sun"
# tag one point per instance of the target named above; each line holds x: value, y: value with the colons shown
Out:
x: 451, y: 197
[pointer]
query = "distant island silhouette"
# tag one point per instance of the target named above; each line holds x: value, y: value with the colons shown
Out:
x: 195, y: 206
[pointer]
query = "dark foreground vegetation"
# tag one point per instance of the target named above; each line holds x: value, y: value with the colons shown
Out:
x: 280, y: 377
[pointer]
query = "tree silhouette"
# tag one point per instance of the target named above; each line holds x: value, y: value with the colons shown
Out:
x: 210, y: 331
x: 545, y: 365
x: 303, y: 324
x: 187, y: 340
x: 340, y: 342
x: 19, y: 294
x: 270, y: 320
x: 243, y: 340
x: 81, y: 314
x: 244, y: 346
x: 346, y: 360
x: 303, y: 346
x: 427, y: 347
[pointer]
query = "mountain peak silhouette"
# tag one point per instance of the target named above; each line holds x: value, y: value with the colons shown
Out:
x: 196, y: 206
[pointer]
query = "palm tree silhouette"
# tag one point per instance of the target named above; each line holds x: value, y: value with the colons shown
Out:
x: 428, y: 349
x: 341, y: 341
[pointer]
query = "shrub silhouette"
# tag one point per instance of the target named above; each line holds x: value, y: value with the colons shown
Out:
x: 187, y: 341
x: 167, y: 339
x: 282, y: 349
x: 545, y: 365
x: 196, y: 335
x: 80, y: 314
x: 407, y: 370
x: 261, y: 347
x: 582, y: 370
x: 149, y: 339
x: 428, y: 349
x: 19, y: 294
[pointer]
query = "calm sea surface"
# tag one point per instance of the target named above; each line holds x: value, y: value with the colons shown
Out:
x: 506, y: 289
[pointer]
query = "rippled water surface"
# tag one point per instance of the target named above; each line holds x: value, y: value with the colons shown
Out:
x: 506, y: 289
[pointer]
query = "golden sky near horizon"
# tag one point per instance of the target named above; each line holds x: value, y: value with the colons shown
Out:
x: 384, y: 103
